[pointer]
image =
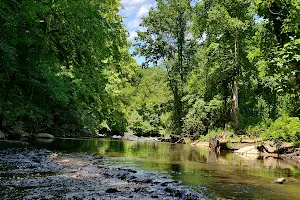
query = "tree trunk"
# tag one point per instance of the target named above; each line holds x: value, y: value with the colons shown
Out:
x: 226, y: 93
x: 214, y: 144
x: 235, y: 106
x: 235, y: 109
x: 178, y: 110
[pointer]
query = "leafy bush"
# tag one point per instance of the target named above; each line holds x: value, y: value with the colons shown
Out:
x: 149, y: 106
x: 256, y: 131
x: 284, y: 129
x: 226, y: 133
x: 213, y: 132
x: 203, y: 116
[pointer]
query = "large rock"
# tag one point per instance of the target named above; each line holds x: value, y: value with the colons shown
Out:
x: 45, y: 140
x: 130, y: 136
x: 249, y: 150
x: 116, y: 137
x: 250, y: 157
x: 279, y: 180
x: 237, y: 145
x: 45, y: 135
x: 280, y: 148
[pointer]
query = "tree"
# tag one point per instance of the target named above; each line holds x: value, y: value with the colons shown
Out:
x: 278, y: 48
x: 150, y: 103
x: 226, y: 26
x: 166, y: 41
x: 54, y: 55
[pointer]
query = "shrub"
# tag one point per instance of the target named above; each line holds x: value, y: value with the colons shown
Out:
x: 258, y: 130
x: 284, y: 129
x: 202, y: 116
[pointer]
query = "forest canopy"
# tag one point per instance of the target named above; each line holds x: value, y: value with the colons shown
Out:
x: 231, y: 65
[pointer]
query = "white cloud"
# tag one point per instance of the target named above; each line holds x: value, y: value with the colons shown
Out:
x: 132, y: 2
x: 132, y: 34
x: 129, y: 9
x: 133, y: 11
x: 133, y: 24
x: 144, y: 9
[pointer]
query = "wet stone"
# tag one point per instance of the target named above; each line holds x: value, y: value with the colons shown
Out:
x: 279, y: 181
x: 37, y: 174
x: 111, y: 190
x: 147, y: 180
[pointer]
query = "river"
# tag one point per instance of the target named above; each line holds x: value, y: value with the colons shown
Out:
x: 226, y: 176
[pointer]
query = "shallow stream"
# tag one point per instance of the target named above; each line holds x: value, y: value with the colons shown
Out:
x: 225, y: 176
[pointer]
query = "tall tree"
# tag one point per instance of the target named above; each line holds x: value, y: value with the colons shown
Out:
x: 166, y: 41
x: 226, y: 24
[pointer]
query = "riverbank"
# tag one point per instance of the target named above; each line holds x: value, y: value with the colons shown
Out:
x: 252, y: 148
x: 249, y: 148
x: 28, y: 173
x: 257, y: 149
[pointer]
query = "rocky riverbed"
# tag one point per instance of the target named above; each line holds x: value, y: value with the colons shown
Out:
x: 27, y: 173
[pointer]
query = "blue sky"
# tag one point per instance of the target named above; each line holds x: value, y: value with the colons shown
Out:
x: 133, y: 12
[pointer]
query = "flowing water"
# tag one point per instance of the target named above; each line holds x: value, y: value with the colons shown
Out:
x: 228, y: 175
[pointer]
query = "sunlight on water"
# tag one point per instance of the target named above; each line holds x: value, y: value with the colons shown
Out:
x: 226, y: 175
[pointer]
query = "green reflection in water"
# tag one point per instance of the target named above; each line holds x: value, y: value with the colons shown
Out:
x: 226, y: 176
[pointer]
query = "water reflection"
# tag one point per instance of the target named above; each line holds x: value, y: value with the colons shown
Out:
x: 226, y: 175
x: 166, y: 152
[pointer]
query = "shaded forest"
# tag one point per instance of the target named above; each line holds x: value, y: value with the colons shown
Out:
x: 211, y: 66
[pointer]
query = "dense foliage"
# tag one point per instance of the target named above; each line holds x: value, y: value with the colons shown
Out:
x: 210, y: 65
x: 165, y: 41
x: 242, y: 68
x: 54, y: 61
x: 284, y: 129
